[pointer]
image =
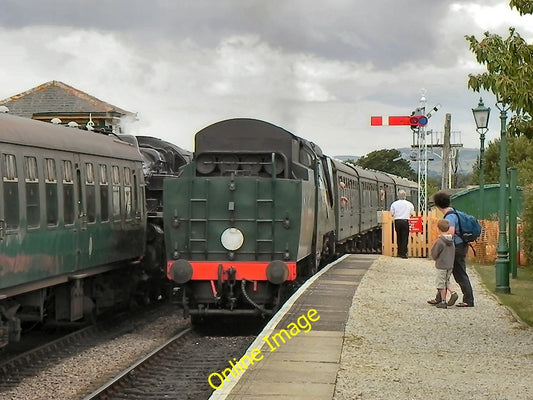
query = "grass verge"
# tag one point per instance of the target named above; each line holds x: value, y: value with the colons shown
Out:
x: 521, y: 297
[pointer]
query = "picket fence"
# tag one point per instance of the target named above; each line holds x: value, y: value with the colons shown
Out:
x: 424, y: 232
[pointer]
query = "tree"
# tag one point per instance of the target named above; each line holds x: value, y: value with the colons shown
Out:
x: 509, y: 73
x: 519, y: 151
x: 389, y: 161
x: 523, y: 6
x: 509, y: 76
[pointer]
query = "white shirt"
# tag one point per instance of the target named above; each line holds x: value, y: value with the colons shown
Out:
x: 402, y: 209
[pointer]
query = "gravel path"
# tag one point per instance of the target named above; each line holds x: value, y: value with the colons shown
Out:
x: 397, y: 346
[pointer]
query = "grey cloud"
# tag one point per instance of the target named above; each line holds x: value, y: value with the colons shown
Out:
x: 317, y: 68
x: 383, y: 32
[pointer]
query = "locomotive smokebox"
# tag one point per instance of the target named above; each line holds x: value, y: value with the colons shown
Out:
x: 180, y: 271
x: 277, y: 272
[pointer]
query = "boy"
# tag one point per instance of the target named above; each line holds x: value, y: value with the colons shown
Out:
x: 443, y: 203
x: 443, y: 252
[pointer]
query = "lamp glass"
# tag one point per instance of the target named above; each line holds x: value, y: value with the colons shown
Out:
x: 481, y: 115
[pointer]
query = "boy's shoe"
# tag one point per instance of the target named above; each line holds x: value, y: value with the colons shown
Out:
x: 453, y: 298
x: 436, y: 300
x: 442, y: 304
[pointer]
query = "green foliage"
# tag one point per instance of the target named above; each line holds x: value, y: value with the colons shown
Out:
x: 433, y: 185
x: 519, y: 151
x: 390, y: 161
x: 509, y: 73
x: 523, y: 6
x: 461, y: 180
x: 527, y: 222
x: 509, y: 76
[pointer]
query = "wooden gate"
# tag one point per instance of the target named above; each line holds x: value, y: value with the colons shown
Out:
x: 420, y: 243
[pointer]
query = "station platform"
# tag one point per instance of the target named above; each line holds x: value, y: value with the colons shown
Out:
x: 361, y: 329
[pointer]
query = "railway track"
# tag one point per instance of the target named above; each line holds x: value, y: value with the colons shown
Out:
x: 15, y: 368
x: 177, y: 370
x: 44, y: 353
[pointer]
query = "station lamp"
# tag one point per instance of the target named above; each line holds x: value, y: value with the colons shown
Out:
x: 481, y: 116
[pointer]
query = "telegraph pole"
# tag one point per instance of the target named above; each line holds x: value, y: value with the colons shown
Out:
x: 450, y: 153
x: 445, y: 182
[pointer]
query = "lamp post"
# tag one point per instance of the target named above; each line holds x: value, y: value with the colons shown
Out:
x: 481, y: 116
x: 502, y: 262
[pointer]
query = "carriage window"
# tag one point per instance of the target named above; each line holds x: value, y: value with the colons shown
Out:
x: 104, y: 193
x: 10, y: 168
x: 68, y: 193
x: 30, y: 166
x: 103, y: 174
x: 116, y: 191
x: 90, y: 173
x: 127, y: 176
x: 90, y: 192
x: 67, y: 171
x: 50, y: 170
x: 33, y: 209
x: 50, y: 179
x: 11, y: 193
x: 116, y: 175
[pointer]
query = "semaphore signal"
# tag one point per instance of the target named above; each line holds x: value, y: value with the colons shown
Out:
x: 417, y: 121
x: 413, y: 120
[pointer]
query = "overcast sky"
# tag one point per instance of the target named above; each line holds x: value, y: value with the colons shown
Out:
x: 319, y: 69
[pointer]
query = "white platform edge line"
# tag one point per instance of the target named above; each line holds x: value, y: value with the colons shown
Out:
x: 224, y: 391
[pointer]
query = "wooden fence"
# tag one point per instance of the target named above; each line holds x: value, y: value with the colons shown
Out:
x: 420, y: 243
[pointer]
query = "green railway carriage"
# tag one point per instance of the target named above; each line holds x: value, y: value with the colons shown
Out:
x: 71, y: 208
x: 361, y: 194
x: 359, y: 201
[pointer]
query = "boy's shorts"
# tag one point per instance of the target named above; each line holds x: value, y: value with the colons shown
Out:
x: 442, y: 279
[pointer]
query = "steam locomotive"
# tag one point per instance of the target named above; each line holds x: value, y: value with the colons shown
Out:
x: 80, y: 221
x: 258, y: 209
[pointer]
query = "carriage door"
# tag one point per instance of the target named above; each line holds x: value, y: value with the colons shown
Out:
x: 2, y: 202
x: 80, y: 215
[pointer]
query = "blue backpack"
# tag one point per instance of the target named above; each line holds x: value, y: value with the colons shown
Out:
x: 469, y: 227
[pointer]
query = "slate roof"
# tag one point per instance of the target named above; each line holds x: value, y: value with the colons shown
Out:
x: 58, y: 98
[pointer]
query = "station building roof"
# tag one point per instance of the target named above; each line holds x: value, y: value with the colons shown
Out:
x: 56, y: 99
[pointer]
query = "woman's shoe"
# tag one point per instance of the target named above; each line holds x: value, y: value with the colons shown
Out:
x: 464, y: 305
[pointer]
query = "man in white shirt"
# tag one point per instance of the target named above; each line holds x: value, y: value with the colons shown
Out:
x: 401, y: 210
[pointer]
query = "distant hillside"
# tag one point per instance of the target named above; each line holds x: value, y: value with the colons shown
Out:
x: 466, y: 160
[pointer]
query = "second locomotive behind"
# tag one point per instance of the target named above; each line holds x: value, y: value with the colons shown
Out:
x: 259, y: 208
